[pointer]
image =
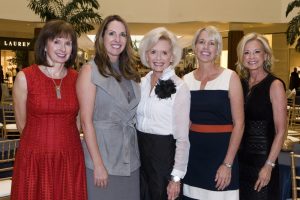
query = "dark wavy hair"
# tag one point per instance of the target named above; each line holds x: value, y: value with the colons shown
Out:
x: 127, y: 59
x: 52, y: 30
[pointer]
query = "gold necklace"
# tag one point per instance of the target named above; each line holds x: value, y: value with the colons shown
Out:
x: 57, y: 87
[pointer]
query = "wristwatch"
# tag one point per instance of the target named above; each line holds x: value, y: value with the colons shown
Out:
x: 227, y: 165
x: 268, y: 162
x: 175, y: 179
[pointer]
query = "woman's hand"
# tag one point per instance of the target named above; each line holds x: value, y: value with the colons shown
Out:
x: 100, y: 176
x: 263, y: 177
x: 223, y: 177
x: 173, y: 190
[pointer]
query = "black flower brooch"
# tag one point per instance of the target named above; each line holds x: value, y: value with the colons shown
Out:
x: 164, y: 89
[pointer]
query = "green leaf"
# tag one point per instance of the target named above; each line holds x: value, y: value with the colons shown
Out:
x: 291, y: 6
x: 80, y: 13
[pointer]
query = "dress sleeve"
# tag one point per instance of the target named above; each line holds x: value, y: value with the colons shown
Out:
x: 181, y: 123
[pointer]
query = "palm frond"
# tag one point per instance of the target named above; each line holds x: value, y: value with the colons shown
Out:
x: 45, y: 9
x: 87, y: 15
x: 298, y: 45
x: 83, y: 28
x: 83, y: 21
x: 93, y: 3
x: 291, y: 6
x: 293, y: 31
x: 70, y: 8
x: 80, y: 13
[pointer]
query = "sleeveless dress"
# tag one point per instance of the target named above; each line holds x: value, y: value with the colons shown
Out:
x: 257, y: 140
x: 209, y: 107
x: 114, y: 118
x: 49, y: 163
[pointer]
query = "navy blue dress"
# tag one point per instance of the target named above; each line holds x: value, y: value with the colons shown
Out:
x: 210, y: 106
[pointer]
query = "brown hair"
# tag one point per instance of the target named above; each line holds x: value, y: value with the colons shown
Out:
x: 127, y: 59
x: 52, y: 30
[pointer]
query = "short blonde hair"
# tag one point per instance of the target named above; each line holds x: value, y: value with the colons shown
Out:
x: 240, y: 53
x: 152, y: 37
x: 214, y: 34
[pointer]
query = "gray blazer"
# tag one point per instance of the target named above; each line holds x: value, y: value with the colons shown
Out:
x: 114, y: 121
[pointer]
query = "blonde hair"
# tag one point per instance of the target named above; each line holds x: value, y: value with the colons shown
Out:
x: 152, y: 37
x: 240, y: 53
x: 213, y: 34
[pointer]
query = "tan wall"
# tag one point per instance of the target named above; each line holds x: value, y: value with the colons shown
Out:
x: 226, y: 11
x: 168, y: 11
x: 281, y: 54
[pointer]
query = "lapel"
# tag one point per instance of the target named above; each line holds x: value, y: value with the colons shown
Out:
x: 111, y: 86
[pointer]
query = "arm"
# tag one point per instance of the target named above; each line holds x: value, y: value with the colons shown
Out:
x: 86, y: 92
x: 78, y: 123
x: 223, y: 176
x: 20, y: 98
x: 181, y: 123
x: 279, y: 106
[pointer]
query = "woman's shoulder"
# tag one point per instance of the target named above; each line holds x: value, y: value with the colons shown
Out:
x: 146, y: 78
x: 31, y: 72
x: 276, y: 82
x: 72, y: 71
x: 273, y: 79
x: 189, y: 76
x: 177, y: 80
x: 30, y: 68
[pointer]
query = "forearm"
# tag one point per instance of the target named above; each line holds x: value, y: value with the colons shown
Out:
x: 181, y: 124
x: 181, y: 158
x: 276, y: 146
x: 91, y: 142
x: 234, y: 143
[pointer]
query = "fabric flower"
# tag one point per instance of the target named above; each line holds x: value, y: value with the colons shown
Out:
x: 165, y: 88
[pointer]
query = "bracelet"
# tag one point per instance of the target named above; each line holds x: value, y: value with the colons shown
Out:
x: 227, y: 165
x: 270, y: 163
x: 175, y: 179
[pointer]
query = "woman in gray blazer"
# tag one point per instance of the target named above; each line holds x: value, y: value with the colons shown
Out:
x: 108, y: 94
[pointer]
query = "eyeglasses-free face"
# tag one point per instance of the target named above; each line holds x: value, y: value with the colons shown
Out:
x: 114, y: 39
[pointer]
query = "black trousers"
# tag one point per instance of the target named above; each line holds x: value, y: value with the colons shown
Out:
x: 157, y: 154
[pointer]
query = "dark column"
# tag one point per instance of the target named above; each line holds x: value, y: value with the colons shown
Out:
x: 233, y: 39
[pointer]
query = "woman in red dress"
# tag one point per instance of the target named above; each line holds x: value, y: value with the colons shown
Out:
x: 49, y: 163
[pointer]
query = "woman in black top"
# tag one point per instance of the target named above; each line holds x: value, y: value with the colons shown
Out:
x: 265, y: 120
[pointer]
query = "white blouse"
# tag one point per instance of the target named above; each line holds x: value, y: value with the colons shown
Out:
x: 168, y: 116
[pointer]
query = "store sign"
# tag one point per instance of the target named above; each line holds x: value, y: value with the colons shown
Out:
x: 14, y: 43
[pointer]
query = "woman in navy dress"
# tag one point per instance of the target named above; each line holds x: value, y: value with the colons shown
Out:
x: 265, y: 120
x: 217, y: 121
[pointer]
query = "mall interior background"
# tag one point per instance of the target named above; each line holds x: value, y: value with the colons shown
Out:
x: 232, y: 17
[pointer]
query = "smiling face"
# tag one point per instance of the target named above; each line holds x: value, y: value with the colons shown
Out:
x: 159, y: 57
x: 254, y: 55
x: 58, y: 51
x: 115, y: 38
x: 205, y: 48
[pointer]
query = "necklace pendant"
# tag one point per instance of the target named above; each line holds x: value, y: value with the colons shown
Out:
x: 58, y: 94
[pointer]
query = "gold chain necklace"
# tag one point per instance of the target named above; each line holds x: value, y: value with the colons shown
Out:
x: 57, y: 87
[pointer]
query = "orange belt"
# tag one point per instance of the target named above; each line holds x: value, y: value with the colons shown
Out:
x: 211, y: 128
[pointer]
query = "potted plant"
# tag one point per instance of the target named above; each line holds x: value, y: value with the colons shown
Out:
x: 80, y: 13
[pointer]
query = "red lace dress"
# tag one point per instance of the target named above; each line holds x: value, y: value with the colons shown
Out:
x: 49, y: 163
